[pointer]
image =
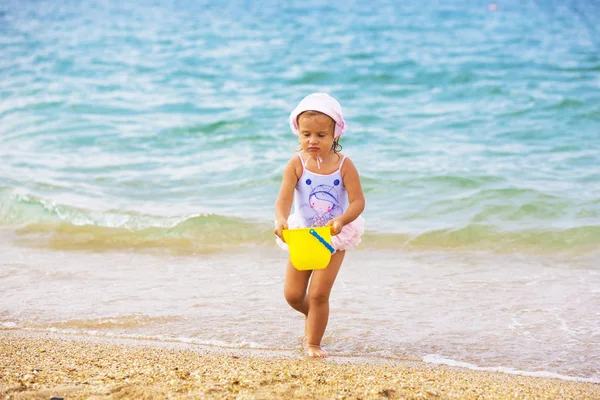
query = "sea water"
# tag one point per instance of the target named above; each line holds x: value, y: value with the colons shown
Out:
x: 142, y: 147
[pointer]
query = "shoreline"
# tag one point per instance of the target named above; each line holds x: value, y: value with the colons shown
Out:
x: 42, y: 365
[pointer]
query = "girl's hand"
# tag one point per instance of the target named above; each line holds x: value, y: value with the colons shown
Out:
x: 279, y: 227
x: 336, y: 226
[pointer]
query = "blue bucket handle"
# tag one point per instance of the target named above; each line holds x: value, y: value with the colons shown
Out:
x: 323, y: 241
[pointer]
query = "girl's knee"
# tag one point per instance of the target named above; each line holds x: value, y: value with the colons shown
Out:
x: 318, y: 296
x: 294, y: 297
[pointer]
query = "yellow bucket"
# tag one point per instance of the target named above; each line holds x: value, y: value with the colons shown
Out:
x: 310, y: 248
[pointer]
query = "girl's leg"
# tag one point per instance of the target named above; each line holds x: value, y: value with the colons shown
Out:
x: 318, y: 304
x: 294, y: 288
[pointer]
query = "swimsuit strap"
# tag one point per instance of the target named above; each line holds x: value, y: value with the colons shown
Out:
x: 303, y: 163
x: 342, y: 163
x: 318, y: 159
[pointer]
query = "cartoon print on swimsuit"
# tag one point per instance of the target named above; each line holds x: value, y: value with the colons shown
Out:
x: 323, y: 200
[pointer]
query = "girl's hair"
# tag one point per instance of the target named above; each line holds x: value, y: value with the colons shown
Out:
x: 336, y: 147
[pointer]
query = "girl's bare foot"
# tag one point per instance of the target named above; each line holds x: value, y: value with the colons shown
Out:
x: 315, y: 351
x: 312, y: 350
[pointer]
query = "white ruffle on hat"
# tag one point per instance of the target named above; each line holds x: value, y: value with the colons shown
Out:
x: 323, y: 103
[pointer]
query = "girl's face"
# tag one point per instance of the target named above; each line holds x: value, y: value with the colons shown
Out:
x: 316, y: 133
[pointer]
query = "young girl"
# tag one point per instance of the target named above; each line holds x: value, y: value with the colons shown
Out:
x: 325, y: 189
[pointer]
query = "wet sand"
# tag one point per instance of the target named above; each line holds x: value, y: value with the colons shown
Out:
x: 42, y: 365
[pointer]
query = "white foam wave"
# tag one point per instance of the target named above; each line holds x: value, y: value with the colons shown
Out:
x: 438, y: 359
x: 160, y: 338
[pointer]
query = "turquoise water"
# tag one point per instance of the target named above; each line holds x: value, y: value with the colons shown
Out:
x: 161, y: 128
x: 461, y: 119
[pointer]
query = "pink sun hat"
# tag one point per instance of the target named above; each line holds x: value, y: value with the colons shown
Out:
x: 323, y: 103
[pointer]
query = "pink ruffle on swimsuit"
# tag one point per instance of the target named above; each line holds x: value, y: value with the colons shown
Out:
x: 318, y: 199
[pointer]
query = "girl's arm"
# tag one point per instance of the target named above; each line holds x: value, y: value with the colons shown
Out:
x: 285, y: 198
x: 356, y: 198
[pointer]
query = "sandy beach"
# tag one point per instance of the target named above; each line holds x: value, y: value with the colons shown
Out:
x: 44, y: 365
